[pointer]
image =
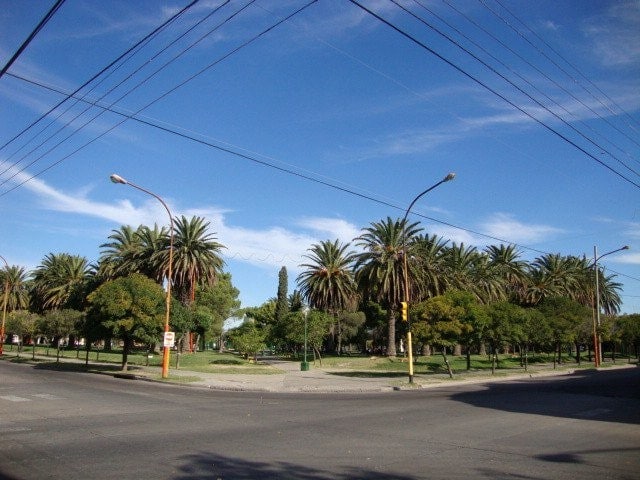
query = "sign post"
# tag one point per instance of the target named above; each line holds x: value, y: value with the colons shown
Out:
x: 169, y: 339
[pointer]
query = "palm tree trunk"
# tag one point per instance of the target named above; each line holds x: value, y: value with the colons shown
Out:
x: 446, y: 362
x: 391, y: 341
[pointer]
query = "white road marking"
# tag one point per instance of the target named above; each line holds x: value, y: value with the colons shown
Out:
x: 14, y: 398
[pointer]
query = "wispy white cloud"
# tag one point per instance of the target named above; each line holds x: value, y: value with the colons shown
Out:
x: 631, y: 258
x: 503, y: 225
x: 616, y: 35
x: 331, y: 228
x: 267, y: 248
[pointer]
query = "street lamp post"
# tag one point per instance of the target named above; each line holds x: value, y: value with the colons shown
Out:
x: 5, y: 298
x: 166, y: 349
x: 304, y: 366
x: 597, y: 342
x: 407, y: 296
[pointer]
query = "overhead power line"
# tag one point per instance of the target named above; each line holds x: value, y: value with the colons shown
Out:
x: 577, y: 81
x: 103, y: 70
x: 110, y: 90
x: 505, y: 45
x: 518, y: 88
x: 31, y: 36
x: 492, y: 90
x: 163, y: 95
x: 268, y: 164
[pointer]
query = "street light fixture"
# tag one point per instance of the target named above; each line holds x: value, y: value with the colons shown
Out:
x: 5, y: 298
x: 597, y: 343
x: 304, y: 366
x: 407, y: 298
x: 166, y: 349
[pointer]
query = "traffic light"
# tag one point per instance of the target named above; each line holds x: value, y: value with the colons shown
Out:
x: 404, y: 311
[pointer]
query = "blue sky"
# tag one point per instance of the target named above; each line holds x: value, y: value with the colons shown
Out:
x: 325, y: 123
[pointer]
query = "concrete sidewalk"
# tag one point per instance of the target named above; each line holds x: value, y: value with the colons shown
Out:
x: 290, y: 378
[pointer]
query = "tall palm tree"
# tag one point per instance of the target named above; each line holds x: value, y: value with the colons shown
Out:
x: 458, y: 261
x: 610, y: 300
x: 327, y: 283
x: 18, y: 284
x: 196, y: 257
x: 117, y: 257
x: 505, y: 259
x: 133, y: 251
x: 151, y: 243
x: 60, y: 280
x: 429, y: 253
x: 380, y: 267
x: 552, y: 275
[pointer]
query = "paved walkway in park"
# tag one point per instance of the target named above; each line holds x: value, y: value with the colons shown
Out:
x: 290, y: 377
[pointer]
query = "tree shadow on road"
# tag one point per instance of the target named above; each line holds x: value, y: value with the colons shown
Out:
x: 610, y: 396
x: 206, y: 465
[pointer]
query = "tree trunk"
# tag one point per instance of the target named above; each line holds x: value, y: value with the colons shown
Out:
x: 391, y: 341
x: 446, y: 362
x: 468, y: 353
x: 578, y: 355
x: 457, y: 350
x: 126, y: 347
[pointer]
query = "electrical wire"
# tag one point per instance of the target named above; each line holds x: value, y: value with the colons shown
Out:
x: 518, y: 88
x: 102, y: 71
x: 31, y: 36
x: 492, y: 90
x: 152, y: 102
x: 534, y: 67
x: 575, y: 80
x: 113, y: 88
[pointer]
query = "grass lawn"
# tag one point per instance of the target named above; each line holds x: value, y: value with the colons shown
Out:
x: 230, y: 363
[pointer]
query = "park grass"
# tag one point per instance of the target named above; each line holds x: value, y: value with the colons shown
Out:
x: 234, y: 364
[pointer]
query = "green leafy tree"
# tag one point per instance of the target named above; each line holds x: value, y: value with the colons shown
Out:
x: 439, y: 323
x: 265, y: 317
x: 131, y: 308
x: 214, y: 304
x: 507, y: 265
x: 133, y: 251
x: 504, y: 327
x: 248, y: 339
x: 474, y: 318
x: 318, y: 324
x: 23, y: 324
x: 59, y: 324
x: 564, y: 316
x: 534, y: 330
x: 629, y: 326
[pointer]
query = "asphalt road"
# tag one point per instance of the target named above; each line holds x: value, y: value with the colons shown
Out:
x: 63, y: 425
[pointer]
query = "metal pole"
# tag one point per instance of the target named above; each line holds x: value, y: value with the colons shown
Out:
x: 4, y: 304
x: 305, y: 364
x: 407, y: 296
x: 597, y: 339
x: 166, y: 352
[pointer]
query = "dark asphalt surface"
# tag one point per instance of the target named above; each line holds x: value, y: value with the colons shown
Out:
x: 65, y: 425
